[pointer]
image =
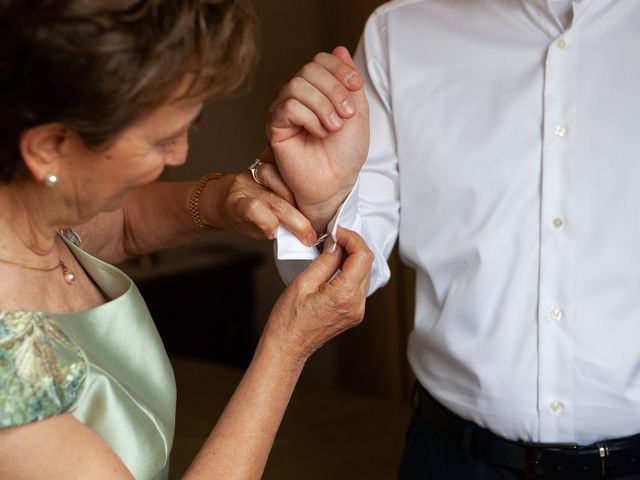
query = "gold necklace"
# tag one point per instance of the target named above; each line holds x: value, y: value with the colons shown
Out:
x: 67, y: 275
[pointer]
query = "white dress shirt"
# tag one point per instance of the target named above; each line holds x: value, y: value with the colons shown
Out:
x: 505, y: 152
x: 563, y: 10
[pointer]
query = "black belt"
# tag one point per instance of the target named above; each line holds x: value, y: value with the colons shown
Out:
x: 609, y: 459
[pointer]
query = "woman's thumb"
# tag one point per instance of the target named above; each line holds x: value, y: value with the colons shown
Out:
x: 323, y: 268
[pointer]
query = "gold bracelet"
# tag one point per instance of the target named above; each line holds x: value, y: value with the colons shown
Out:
x: 194, y: 201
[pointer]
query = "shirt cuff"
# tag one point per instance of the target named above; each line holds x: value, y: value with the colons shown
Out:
x: 288, y: 247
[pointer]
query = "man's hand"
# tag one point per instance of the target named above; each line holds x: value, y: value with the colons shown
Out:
x: 318, y: 128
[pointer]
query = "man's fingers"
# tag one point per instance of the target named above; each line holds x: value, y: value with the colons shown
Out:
x: 358, y: 95
x: 323, y: 93
x: 330, y: 87
x: 300, y: 89
x: 291, y: 115
x: 343, y: 54
x: 341, y: 65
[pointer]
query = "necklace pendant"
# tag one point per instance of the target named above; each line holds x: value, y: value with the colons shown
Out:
x: 67, y: 274
x: 69, y: 278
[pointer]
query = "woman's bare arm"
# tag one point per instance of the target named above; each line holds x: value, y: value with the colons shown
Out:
x: 156, y: 216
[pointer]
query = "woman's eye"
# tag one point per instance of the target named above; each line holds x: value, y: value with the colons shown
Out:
x: 171, y: 142
x: 196, y: 122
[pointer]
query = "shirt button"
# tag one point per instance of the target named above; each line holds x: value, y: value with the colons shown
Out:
x: 562, y: 44
x: 557, y: 223
x: 556, y: 314
x: 556, y: 407
x: 561, y: 131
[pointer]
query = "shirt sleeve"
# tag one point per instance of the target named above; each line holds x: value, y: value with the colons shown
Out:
x: 41, y: 370
x: 372, y: 209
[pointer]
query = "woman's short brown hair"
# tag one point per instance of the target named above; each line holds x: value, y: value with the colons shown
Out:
x: 97, y: 66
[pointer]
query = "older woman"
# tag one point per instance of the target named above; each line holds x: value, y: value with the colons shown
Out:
x: 96, y: 98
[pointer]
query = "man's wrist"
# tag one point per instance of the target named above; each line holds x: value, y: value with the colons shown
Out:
x: 320, y: 214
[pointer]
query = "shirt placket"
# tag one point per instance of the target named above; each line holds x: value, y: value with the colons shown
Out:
x: 554, y: 306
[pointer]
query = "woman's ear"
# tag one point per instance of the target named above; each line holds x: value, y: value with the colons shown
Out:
x: 42, y: 147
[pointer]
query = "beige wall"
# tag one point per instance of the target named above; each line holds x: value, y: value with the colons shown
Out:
x: 231, y: 132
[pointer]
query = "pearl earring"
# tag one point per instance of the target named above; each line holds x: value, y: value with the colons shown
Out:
x: 51, y: 180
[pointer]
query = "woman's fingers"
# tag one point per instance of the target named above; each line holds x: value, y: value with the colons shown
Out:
x: 356, y: 268
x: 315, y: 307
x: 292, y: 219
x: 319, y: 271
x: 345, y: 293
x: 258, y: 211
x: 267, y: 156
x: 353, y: 278
x: 353, y: 243
x: 255, y: 218
x: 270, y: 178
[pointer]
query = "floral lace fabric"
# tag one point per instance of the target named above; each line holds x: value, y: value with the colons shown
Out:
x: 41, y: 370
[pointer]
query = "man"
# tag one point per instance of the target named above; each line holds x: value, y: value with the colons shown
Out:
x: 505, y: 152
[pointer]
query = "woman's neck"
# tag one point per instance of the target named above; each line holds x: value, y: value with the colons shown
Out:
x: 27, y: 225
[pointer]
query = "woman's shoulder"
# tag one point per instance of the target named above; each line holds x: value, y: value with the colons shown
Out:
x: 41, y: 369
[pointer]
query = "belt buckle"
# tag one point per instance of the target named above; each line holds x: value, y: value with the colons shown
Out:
x: 603, y: 453
x: 532, y: 456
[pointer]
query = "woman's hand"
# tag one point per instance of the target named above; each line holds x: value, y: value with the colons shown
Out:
x: 318, y: 128
x: 236, y: 202
x: 324, y: 300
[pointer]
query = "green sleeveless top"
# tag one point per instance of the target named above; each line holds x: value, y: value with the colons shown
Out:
x: 106, y: 366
